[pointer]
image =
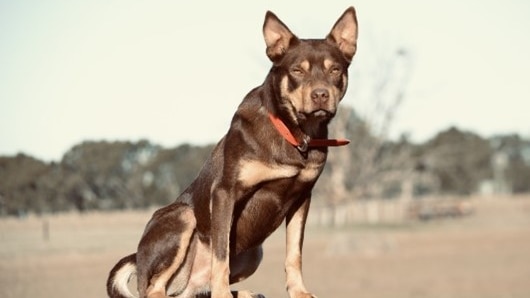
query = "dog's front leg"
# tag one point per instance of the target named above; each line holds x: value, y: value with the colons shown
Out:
x: 222, y: 210
x: 296, y: 219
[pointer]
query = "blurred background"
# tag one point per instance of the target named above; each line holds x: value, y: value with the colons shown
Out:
x: 109, y: 109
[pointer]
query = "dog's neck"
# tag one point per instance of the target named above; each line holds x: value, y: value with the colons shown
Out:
x: 307, y: 143
x: 316, y: 128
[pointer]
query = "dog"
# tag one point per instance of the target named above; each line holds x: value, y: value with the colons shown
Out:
x: 260, y: 174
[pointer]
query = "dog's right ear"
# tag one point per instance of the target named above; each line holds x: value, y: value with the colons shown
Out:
x: 277, y: 36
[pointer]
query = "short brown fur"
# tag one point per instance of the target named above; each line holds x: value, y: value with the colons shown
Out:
x: 211, y: 236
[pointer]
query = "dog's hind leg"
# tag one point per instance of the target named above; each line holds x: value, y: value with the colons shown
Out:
x: 163, y: 250
x: 245, y: 264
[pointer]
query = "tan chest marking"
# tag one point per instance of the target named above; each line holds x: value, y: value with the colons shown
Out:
x: 310, y: 172
x: 253, y: 172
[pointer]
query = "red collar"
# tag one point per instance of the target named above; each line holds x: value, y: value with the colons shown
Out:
x: 287, y: 135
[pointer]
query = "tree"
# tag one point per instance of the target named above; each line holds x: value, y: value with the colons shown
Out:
x: 460, y: 159
x: 512, y: 164
x: 19, y: 192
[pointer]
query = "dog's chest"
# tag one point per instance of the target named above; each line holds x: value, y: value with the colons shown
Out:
x: 254, y: 172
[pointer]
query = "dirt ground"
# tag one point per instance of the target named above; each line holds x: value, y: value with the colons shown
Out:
x: 483, y: 255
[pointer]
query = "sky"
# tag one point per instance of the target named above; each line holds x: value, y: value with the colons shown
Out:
x: 175, y: 71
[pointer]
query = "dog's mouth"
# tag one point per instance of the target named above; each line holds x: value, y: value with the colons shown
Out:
x: 317, y: 114
x: 322, y: 113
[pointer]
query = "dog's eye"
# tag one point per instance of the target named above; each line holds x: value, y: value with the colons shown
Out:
x: 335, y: 70
x: 297, y: 71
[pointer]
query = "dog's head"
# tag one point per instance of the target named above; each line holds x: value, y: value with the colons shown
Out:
x: 311, y: 75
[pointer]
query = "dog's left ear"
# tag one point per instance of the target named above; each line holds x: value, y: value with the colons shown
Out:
x: 277, y: 36
x: 344, y: 33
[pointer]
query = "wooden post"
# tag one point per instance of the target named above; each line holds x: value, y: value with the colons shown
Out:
x: 46, y: 230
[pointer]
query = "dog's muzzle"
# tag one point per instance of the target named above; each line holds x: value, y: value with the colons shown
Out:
x: 322, y: 105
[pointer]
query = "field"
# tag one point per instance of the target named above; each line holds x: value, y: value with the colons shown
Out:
x: 486, y: 255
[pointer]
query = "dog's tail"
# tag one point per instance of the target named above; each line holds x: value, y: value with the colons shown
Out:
x: 119, y: 276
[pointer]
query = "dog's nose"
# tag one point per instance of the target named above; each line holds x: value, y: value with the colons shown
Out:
x: 320, y: 95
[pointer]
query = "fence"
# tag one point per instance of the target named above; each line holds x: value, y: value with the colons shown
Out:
x: 380, y: 211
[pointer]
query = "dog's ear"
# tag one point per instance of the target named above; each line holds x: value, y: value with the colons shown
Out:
x: 344, y: 33
x: 277, y: 36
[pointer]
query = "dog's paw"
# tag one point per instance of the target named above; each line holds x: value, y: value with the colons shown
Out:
x: 247, y: 294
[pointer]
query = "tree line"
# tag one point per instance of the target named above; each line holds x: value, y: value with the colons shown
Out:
x: 103, y: 175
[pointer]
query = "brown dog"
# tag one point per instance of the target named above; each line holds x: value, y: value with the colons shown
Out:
x: 260, y: 174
